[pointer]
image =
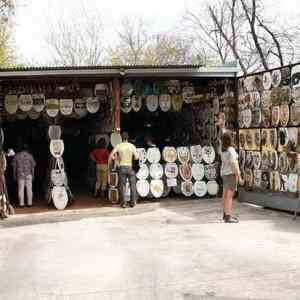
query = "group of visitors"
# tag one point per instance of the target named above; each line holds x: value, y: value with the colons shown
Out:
x: 125, y: 153
x: 123, y: 156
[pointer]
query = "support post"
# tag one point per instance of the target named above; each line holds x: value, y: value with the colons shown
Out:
x: 116, y: 96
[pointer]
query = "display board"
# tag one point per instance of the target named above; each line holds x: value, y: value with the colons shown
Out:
x: 184, y: 171
x: 269, y: 133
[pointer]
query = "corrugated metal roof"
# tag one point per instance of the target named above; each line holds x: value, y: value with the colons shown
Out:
x: 102, y: 67
x: 126, y: 71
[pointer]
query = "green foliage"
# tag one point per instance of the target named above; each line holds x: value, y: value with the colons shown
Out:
x: 7, y: 55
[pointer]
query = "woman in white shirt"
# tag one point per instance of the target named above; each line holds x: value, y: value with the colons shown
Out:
x: 231, y: 176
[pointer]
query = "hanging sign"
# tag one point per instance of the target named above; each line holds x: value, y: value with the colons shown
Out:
x: 100, y: 89
x: 257, y: 178
x: 126, y: 105
x: 210, y: 171
x: 113, y: 195
x: 212, y: 188
x: 80, y: 107
x: 136, y: 103
x: 267, y: 80
x: 293, y: 183
x: 92, y: 104
x: 247, y: 118
x: 296, y: 76
x: 11, y: 103
x: 66, y: 106
x: 143, y: 188
x: 165, y: 102
x: 152, y: 103
x: 171, y: 170
x: 188, y: 93
x: 256, y: 160
x: 142, y: 153
x: 174, y: 87
x: 54, y: 132
x: 295, y: 114
x: 284, y: 114
x: 196, y: 153
x: 156, y: 171
x: 200, y: 189
x: 113, y: 179
x: 276, y: 78
x: 208, y: 154
x: 183, y: 154
x: 58, y: 177
x: 185, y: 172
x: 127, y: 89
x: 59, y: 197
x: 52, y: 107
x: 256, y: 117
x: 169, y: 154
x: 177, y: 102
x: 38, y: 102
x: 296, y: 94
x: 198, y: 171
x: 157, y: 188
x: 275, y: 116
x: 187, y: 188
x: 172, y: 182
x: 143, y: 172
x: 115, y: 139
x: 57, y: 148
x: 25, y: 102
x: 153, y: 155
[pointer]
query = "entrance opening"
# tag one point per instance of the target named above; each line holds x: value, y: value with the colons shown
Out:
x: 75, y: 136
x: 34, y: 134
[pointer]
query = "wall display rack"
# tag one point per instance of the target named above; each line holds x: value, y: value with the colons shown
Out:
x: 269, y: 137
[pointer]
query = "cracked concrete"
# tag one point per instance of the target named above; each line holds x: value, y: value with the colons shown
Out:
x: 170, y: 250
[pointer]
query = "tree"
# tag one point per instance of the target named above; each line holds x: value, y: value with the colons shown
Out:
x: 168, y: 49
x: 138, y: 45
x: 7, y: 8
x: 133, y: 37
x: 240, y: 29
x: 76, y: 41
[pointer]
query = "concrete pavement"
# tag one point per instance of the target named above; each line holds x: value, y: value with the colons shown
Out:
x: 170, y: 250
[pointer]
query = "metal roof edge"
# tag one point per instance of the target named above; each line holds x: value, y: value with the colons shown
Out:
x: 115, y: 71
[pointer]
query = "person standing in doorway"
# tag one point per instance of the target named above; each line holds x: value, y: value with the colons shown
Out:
x: 231, y: 176
x: 100, y: 155
x: 124, y: 154
x: 23, y: 172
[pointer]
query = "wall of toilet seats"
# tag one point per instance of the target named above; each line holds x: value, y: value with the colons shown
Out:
x: 50, y: 105
x: 269, y: 132
x: 191, y: 170
x: 188, y: 171
x: 48, y: 100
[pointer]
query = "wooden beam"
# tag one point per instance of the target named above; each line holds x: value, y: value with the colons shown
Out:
x: 116, y: 97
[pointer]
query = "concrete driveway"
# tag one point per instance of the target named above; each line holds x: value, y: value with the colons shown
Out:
x: 169, y: 250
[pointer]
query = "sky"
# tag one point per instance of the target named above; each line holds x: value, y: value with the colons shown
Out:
x: 34, y: 16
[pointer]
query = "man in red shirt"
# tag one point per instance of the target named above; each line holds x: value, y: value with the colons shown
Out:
x: 100, y: 155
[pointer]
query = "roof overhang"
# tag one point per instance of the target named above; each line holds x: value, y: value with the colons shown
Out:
x: 188, y: 71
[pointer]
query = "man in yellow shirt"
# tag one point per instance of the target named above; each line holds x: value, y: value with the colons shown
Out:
x: 124, y: 154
